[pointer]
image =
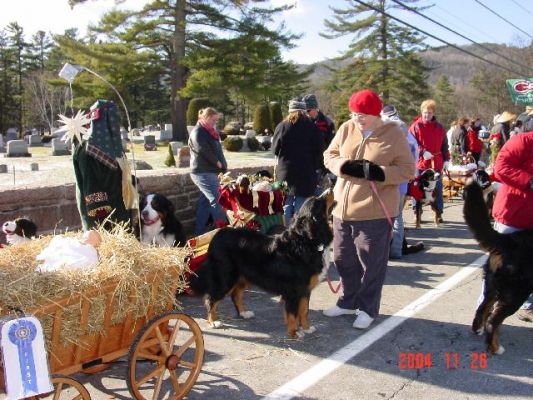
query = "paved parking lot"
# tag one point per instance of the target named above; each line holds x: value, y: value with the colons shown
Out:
x: 419, y: 347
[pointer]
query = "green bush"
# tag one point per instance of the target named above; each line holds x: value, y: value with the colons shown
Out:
x: 262, y: 120
x: 253, y: 144
x: 276, y: 115
x: 196, y: 105
x: 169, y: 160
x: 233, y: 143
x: 232, y: 128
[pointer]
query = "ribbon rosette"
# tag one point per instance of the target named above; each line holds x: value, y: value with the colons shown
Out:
x: 21, y: 334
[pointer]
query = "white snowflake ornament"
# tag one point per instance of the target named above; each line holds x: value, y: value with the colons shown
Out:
x: 74, y: 127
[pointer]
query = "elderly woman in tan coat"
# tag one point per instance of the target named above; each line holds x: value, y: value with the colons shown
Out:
x: 371, y: 158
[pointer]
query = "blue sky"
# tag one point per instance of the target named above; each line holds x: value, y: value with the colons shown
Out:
x: 465, y: 16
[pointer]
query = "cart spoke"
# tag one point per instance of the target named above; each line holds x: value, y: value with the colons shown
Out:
x: 173, y: 336
x: 175, y: 381
x: 162, y: 342
x: 185, y: 346
x: 151, y: 374
x: 157, y: 387
x: 187, y: 364
x: 58, y: 390
x: 149, y: 356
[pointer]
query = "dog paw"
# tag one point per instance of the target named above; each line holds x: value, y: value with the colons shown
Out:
x: 500, y: 350
x: 300, y: 334
x: 216, y: 324
x: 247, y: 314
x: 311, y: 329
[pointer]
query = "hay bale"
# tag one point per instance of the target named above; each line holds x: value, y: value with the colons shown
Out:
x: 124, y: 263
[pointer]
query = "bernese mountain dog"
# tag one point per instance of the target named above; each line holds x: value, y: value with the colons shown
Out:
x: 159, y: 225
x: 508, y: 270
x: 287, y: 264
x: 20, y: 230
x: 424, y: 185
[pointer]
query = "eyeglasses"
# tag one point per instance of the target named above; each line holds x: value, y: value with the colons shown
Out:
x: 358, y: 116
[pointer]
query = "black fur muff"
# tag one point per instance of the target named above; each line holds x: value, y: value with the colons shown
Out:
x: 363, y: 169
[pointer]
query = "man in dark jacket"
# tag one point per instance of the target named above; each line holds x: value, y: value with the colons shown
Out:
x: 298, y: 145
x: 327, y: 127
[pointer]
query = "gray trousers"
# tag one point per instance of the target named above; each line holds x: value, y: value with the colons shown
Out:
x: 361, y: 253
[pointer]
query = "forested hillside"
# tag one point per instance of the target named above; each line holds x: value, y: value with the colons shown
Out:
x: 477, y: 88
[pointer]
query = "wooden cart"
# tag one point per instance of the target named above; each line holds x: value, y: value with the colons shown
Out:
x: 165, y: 348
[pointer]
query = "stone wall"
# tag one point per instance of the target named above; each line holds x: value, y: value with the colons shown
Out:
x: 53, y: 208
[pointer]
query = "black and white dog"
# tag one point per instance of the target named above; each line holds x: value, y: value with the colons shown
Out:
x: 427, y: 182
x: 159, y: 225
x: 20, y: 230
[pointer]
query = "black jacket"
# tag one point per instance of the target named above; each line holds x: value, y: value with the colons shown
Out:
x: 299, y: 149
x: 205, y: 152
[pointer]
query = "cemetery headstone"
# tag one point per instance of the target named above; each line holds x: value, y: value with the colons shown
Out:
x: 11, y: 134
x: 165, y: 135
x: 34, y: 166
x: 184, y: 157
x: 175, y: 147
x: 149, y: 143
x: 59, y: 148
x: 3, y: 168
x: 35, y: 140
x: 17, y: 148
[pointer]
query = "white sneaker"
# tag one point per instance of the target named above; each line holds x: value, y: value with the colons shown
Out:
x: 363, y: 320
x: 335, y: 311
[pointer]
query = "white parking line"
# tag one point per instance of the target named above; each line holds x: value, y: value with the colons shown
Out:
x: 298, y: 385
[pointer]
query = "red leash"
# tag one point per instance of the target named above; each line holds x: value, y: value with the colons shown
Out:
x: 335, y: 290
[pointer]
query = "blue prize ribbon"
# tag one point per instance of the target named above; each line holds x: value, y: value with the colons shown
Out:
x: 21, y: 334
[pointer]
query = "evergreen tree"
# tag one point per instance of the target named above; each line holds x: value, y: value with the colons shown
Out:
x: 195, y: 105
x: 16, y: 45
x: 170, y: 161
x: 444, y: 96
x: 36, y: 53
x: 491, y: 90
x: 171, y: 29
x: 383, y: 54
x: 262, y: 121
x: 276, y: 115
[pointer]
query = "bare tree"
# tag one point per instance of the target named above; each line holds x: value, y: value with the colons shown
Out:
x: 47, y: 100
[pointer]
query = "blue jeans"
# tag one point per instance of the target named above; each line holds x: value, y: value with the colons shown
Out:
x: 207, y: 205
x: 397, y: 233
x: 291, y: 206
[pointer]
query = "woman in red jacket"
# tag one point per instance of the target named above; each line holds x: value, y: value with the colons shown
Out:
x: 432, y: 147
x: 473, y: 142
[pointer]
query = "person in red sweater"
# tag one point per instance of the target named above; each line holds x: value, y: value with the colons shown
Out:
x: 473, y: 142
x: 432, y: 147
x: 514, y: 199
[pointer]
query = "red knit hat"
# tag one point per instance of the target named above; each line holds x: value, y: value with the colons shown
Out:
x: 365, y: 102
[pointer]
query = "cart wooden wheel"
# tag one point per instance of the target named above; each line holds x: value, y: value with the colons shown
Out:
x: 65, y: 388
x: 165, y: 358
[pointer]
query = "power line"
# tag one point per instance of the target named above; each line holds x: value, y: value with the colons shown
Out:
x: 522, y: 7
x: 371, y: 7
x: 478, y: 30
x: 527, y: 68
x: 499, y: 16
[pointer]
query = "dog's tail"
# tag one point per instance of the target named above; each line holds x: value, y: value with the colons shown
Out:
x: 477, y: 216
